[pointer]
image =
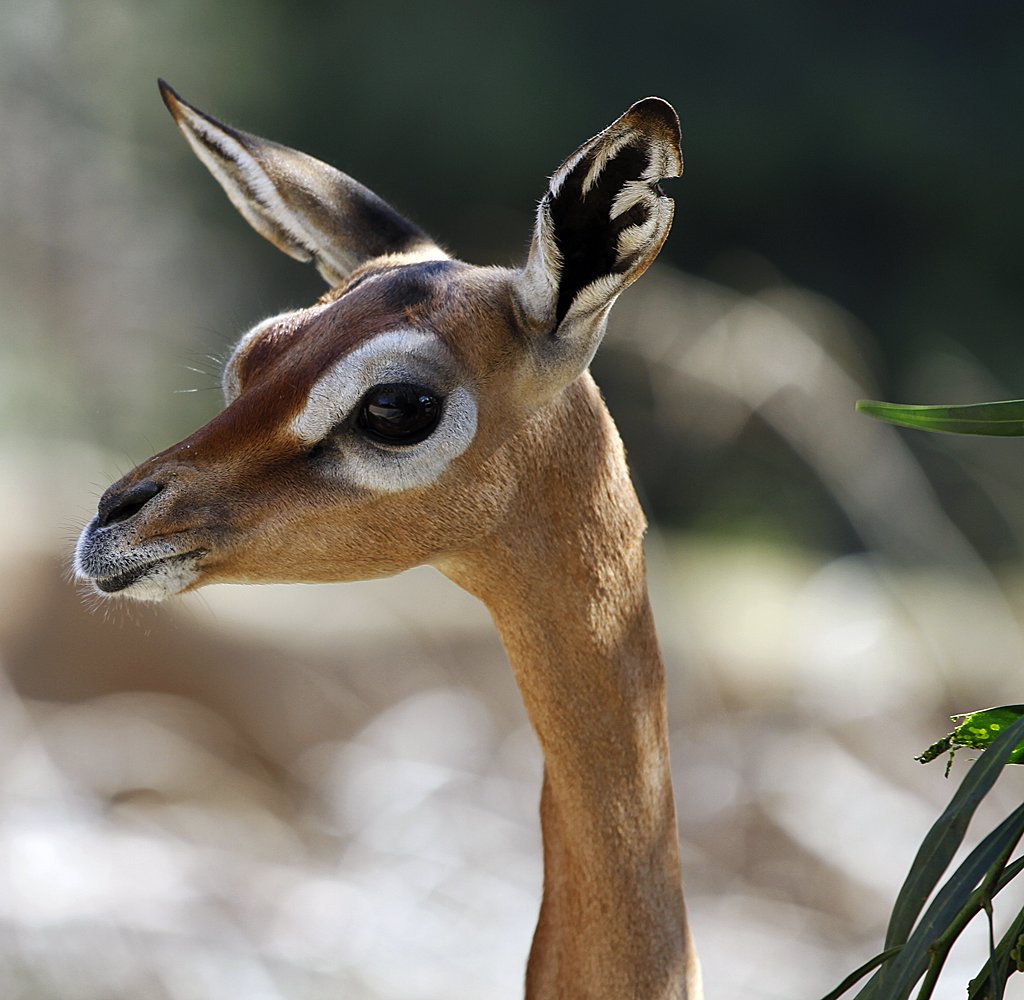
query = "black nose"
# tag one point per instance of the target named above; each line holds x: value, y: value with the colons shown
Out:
x: 119, y: 506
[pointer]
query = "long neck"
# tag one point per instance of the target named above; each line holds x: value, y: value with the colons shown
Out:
x: 565, y: 582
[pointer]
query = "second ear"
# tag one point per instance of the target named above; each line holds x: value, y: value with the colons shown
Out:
x: 600, y: 225
x: 308, y: 209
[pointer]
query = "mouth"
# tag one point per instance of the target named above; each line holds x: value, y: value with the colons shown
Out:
x: 169, y: 574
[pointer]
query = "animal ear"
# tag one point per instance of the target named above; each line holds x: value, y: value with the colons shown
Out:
x: 304, y: 207
x: 600, y: 224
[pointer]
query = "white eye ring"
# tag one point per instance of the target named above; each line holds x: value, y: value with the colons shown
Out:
x: 335, y: 401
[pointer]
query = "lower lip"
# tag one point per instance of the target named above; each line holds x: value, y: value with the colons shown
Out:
x: 115, y: 584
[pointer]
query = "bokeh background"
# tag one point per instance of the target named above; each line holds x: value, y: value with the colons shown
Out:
x: 312, y: 792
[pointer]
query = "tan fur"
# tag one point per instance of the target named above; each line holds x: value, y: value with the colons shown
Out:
x: 563, y: 576
x: 537, y: 518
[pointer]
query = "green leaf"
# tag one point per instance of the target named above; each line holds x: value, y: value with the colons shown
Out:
x: 1001, y: 419
x: 984, y: 863
x: 946, y: 835
x: 979, y: 731
x: 1005, y: 960
x: 858, y: 974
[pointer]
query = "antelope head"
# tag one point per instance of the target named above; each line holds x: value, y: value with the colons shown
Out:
x: 363, y: 435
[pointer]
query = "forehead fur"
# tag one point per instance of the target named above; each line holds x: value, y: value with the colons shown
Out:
x: 454, y: 301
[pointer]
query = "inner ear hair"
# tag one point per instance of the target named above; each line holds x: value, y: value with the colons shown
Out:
x: 586, y: 228
x: 601, y: 223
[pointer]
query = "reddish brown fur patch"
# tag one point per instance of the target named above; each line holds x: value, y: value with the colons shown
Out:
x: 398, y: 297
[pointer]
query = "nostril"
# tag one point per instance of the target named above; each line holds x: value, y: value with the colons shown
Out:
x: 121, y: 506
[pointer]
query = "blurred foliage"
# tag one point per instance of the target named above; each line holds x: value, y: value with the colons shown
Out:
x: 1003, y: 419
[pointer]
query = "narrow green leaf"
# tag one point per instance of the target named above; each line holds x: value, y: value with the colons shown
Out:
x: 1001, y: 419
x: 1007, y: 958
x: 1010, y: 872
x: 947, y: 833
x: 898, y: 977
x: 989, y: 892
x: 858, y: 974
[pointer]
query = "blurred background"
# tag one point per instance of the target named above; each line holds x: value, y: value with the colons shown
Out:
x: 321, y: 792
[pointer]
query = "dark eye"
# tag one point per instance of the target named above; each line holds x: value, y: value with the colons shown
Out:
x: 399, y: 413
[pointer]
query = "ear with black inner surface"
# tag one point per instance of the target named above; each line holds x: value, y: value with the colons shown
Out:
x: 585, y: 233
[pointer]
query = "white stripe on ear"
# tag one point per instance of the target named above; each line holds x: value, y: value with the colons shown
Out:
x: 598, y: 227
x: 306, y: 208
x: 598, y: 161
x: 247, y: 186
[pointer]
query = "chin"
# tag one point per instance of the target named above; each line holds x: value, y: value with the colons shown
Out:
x: 149, y: 580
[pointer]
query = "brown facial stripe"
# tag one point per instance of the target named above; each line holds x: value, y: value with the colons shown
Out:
x: 300, y: 355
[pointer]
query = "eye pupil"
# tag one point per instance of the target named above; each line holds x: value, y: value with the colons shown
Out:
x: 399, y: 413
